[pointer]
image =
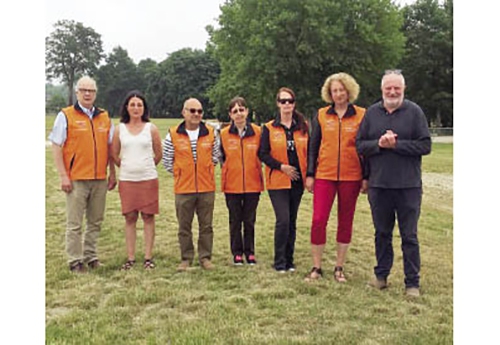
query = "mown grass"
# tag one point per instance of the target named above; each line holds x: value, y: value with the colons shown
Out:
x: 250, y: 305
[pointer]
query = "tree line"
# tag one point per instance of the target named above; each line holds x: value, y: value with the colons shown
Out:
x: 262, y: 45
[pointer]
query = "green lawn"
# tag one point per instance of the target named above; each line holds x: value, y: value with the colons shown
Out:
x: 250, y: 305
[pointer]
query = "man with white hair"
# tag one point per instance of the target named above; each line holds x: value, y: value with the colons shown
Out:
x: 392, y: 137
x: 81, y: 139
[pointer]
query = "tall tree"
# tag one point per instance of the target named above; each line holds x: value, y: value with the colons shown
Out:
x: 114, y: 79
x: 263, y: 45
x: 428, y: 61
x: 183, y: 74
x: 70, y: 51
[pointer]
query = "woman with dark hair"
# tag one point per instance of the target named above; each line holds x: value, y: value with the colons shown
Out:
x: 137, y: 149
x: 242, y: 179
x: 283, y: 149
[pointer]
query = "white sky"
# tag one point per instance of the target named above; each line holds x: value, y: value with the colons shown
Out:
x: 148, y: 28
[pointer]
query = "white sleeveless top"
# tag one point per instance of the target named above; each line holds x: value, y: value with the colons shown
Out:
x: 137, y: 156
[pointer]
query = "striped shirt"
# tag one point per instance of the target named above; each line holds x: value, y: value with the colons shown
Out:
x: 169, y: 152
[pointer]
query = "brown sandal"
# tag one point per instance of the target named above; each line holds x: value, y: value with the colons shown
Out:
x: 338, y: 274
x: 149, y: 264
x: 315, y: 274
x: 128, y: 265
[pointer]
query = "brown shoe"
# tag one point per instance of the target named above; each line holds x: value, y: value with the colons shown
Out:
x: 183, y: 266
x: 207, y: 264
x: 378, y: 283
x: 315, y: 274
x: 413, y: 292
x: 95, y: 264
x: 77, y: 268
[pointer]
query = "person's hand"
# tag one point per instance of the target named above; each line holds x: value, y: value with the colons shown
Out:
x: 388, y: 140
x: 290, y: 171
x: 66, y: 185
x: 111, y: 181
x: 364, y: 186
x: 310, y: 184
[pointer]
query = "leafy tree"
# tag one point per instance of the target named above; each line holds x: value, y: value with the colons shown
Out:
x: 70, y: 51
x: 54, y: 103
x: 263, y: 45
x: 147, y: 70
x: 117, y: 77
x: 428, y: 61
x: 183, y: 74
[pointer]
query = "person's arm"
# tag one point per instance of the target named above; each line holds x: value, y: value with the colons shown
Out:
x: 222, y: 154
x: 157, y: 149
x: 168, y: 153
x: 216, y: 149
x: 366, y: 147
x: 419, y: 146
x: 66, y: 184
x: 116, y: 147
x: 313, y: 149
x: 265, y: 151
x: 111, y: 164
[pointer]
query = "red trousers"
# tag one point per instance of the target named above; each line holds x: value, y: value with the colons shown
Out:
x: 324, y: 195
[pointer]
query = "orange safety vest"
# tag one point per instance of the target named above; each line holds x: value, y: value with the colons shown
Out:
x: 242, y: 168
x: 276, y: 179
x: 85, y: 151
x: 191, y: 177
x: 338, y: 159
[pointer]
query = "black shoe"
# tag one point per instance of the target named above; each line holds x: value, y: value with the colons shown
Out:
x: 77, y: 268
x: 95, y: 264
x: 251, y: 260
x: 238, y: 260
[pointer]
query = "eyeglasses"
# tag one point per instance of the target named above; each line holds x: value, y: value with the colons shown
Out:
x: 87, y: 90
x: 286, y: 100
x: 392, y: 71
x: 194, y: 111
x: 235, y: 111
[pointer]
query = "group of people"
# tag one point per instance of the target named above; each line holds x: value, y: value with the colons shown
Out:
x: 345, y: 151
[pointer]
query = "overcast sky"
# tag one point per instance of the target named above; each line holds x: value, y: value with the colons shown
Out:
x: 147, y: 28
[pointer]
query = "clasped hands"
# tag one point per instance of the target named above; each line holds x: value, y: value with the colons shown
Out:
x: 290, y: 171
x: 388, y: 140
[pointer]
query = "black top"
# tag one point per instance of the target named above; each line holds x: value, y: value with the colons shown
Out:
x: 399, y: 167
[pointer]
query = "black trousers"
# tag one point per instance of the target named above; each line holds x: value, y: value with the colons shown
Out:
x: 242, y: 210
x: 386, y: 205
x: 286, y: 205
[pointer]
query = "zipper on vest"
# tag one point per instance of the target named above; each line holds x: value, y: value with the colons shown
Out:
x: 338, y: 155
x: 242, y: 163
x: 95, y: 147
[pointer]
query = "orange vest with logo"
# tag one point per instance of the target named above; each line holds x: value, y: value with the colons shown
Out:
x: 191, y: 177
x: 242, y: 168
x: 85, y: 152
x: 276, y: 179
x: 338, y: 159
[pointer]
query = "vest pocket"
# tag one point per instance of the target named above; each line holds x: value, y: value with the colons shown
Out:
x: 72, y: 162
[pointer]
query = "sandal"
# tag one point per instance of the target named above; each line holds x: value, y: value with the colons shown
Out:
x: 338, y: 274
x: 315, y: 274
x: 149, y: 264
x: 127, y: 265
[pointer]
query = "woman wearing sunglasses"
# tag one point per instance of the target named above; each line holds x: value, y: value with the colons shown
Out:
x: 283, y: 149
x: 334, y: 168
x: 242, y: 179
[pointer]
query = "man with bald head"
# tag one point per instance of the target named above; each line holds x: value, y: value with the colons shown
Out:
x: 190, y: 152
x: 81, y: 139
x: 392, y: 137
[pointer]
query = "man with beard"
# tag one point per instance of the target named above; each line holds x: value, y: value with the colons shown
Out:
x: 393, y: 137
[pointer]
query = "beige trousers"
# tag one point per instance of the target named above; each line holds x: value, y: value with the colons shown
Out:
x: 89, y: 198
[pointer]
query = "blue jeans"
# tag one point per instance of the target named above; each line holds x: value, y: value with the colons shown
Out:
x: 385, y: 205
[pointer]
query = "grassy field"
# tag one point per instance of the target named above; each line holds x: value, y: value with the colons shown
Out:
x: 250, y: 305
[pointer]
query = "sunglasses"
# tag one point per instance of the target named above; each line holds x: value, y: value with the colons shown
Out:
x: 286, y: 100
x: 238, y: 110
x: 392, y: 71
x: 194, y: 111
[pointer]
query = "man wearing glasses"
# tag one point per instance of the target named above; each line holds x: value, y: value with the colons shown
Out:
x: 81, y: 139
x: 190, y: 152
x: 393, y: 136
